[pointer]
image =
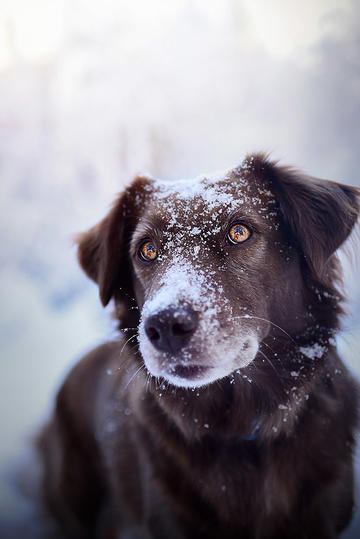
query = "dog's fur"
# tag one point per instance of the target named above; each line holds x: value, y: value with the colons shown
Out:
x: 241, y: 424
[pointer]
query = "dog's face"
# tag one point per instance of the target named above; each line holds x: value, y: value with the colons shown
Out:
x: 206, y: 255
x: 212, y: 264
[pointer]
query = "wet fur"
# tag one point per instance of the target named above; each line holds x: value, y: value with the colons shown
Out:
x: 129, y: 456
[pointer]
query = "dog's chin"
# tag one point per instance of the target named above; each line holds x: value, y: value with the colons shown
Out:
x: 191, y: 375
x: 196, y: 374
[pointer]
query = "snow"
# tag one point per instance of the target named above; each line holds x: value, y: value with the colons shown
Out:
x: 182, y: 281
x: 315, y: 351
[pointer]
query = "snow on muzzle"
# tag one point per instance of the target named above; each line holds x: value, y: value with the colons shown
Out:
x: 179, y: 318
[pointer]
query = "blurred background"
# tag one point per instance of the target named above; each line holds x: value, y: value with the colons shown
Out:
x: 93, y: 92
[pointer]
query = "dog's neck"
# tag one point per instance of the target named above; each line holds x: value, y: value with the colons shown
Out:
x: 244, y: 403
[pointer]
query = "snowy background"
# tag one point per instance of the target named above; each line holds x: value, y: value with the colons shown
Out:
x: 92, y: 92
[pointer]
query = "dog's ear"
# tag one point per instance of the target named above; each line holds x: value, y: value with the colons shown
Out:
x: 103, y: 250
x: 319, y: 214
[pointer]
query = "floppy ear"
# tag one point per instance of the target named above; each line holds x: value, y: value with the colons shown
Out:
x: 103, y: 250
x: 319, y: 214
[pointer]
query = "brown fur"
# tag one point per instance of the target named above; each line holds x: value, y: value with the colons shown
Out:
x: 130, y: 456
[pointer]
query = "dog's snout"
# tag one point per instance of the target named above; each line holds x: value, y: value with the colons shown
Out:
x: 171, y: 329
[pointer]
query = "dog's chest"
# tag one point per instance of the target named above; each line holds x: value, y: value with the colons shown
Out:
x: 218, y: 486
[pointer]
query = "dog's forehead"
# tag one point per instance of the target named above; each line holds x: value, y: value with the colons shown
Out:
x: 207, y: 199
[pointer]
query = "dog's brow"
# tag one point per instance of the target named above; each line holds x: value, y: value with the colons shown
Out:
x: 147, y: 224
x: 156, y: 225
x: 148, y: 227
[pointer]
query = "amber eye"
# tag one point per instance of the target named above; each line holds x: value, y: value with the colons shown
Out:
x: 148, y: 251
x: 238, y: 233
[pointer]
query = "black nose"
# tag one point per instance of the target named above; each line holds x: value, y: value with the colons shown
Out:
x: 171, y: 329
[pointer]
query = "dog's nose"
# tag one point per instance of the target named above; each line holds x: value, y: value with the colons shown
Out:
x: 170, y: 329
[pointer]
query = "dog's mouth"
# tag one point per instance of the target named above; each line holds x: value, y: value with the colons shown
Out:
x: 188, y: 372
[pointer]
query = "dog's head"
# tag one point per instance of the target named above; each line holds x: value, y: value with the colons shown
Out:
x: 216, y: 265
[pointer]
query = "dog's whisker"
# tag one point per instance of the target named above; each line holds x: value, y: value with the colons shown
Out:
x: 147, y: 381
x: 133, y: 376
x: 269, y: 361
x: 135, y: 347
x: 125, y: 362
x: 269, y: 321
x: 267, y: 346
x: 126, y: 342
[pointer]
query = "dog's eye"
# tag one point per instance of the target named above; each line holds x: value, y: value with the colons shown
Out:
x: 148, y: 251
x: 238, y: 233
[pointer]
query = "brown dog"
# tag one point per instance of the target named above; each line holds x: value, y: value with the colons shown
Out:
x: 234, y: 417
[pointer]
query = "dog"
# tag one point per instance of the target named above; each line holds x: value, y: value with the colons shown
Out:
x: 223, y: 410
